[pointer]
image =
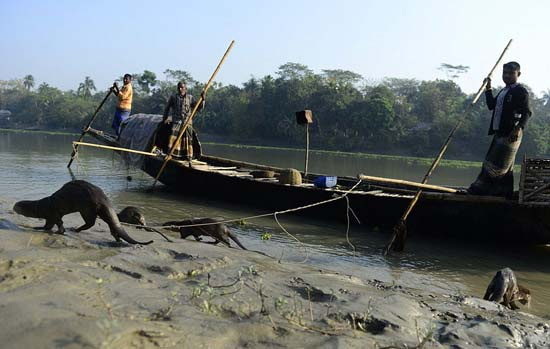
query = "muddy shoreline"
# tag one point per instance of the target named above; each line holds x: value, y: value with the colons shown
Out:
x: 82, y: 290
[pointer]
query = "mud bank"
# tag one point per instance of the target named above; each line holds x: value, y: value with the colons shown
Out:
x: 83, y: 290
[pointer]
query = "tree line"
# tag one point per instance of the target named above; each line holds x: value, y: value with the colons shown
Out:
x: 397, y: 116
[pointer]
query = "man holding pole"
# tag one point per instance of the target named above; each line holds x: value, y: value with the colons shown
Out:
x: 510, y: 114
x: 175, y: 115
x: 124, y: 104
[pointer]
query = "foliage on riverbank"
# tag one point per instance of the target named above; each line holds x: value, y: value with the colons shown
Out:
x: 395, y: 116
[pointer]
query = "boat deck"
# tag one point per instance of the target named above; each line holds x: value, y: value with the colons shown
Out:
x: 377, y: 204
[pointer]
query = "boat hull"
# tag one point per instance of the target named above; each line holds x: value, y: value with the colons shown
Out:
x: 436, y: 214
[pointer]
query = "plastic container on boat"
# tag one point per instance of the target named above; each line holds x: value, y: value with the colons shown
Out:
x: 325, y: 181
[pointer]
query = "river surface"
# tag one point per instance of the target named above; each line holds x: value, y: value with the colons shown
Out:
x: 33, y: 165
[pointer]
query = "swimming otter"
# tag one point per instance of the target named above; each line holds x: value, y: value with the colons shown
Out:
x: 76, y: 196
x: 504, y: 289
x: 219, y: 232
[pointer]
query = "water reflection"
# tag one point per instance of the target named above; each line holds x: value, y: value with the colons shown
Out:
x: 34, y: 165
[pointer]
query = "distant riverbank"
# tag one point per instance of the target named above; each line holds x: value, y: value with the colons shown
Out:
x: 410, y: 160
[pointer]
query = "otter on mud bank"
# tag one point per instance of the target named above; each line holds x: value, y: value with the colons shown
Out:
x: 218, y: 231
x: 132, y: 215
x: 504, y: 289
x: 76, y: 196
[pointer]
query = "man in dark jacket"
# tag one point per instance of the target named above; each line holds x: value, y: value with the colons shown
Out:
x: 177, y: 111
x: 510, y: 114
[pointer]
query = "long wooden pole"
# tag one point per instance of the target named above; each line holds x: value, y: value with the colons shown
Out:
x: 407, y: 183
x: 75, y: 149
x: 190, y: 118
x: 400, y: 228
x: 115, y: 148
x: 307, y: 150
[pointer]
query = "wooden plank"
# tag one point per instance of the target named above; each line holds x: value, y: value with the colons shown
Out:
x: 407, y: 183
x: 209, y: 167
x: 522, y: 178
x: 242, y: 164
x: 535, y: 182
x: 537, y: 191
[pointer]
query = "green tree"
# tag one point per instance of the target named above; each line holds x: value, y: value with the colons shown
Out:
x: 180, y: 75
x: 453, y: 71
x: 147, y: 80
x: 85, y: 88
x: 289, y: 71
x: 341, y: 77
x: 28, y: 81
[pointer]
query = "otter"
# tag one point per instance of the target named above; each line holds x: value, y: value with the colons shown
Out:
x: 504, y: 289
x: 76, y: 196
x: 132, y: 215
x: 218, y: 231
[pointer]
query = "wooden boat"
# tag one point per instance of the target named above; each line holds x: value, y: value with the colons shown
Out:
x: 377, y: 204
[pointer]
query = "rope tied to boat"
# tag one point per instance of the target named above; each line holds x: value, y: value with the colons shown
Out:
x: 267, y: 214
x: 276, y: 213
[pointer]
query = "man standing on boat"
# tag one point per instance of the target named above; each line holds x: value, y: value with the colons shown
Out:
x: 510, y: 114
x: 124, y: 104
x: 175, y: 115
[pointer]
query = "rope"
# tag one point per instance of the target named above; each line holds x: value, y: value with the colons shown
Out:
x: 267, y: 214
x: 292, y: 236
x: 348, y: 209
x: 275, y: 214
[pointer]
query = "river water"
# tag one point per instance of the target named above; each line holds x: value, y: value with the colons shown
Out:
x: 33, y: 165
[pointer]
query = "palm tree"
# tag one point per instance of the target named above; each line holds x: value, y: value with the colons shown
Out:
x: 85, y: 88
x: 28, y: 81
x: 147, y: 80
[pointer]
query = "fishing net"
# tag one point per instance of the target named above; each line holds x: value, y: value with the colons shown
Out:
x: 137, y: 132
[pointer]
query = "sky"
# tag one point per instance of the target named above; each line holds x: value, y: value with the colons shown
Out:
x: 61, y: 42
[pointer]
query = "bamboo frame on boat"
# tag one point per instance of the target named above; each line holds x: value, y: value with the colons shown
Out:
x: 404, y: 182
x: 438, y: 213
x: 116, y: 148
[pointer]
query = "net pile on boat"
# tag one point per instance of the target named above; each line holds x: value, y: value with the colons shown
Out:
x: 137, y: 132
x: 290, y: 176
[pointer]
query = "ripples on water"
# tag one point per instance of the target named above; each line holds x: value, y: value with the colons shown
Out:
x: 34, y: 165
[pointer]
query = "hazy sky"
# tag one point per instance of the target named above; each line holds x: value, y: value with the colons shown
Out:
x: 61, y: 42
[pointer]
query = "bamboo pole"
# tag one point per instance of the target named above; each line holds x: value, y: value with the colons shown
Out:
x: 307, y: 150
x: 75, y: 149
x: 190, y: 118
x: 115, y: 148
x: 400, y: 229
x: 408, y: 183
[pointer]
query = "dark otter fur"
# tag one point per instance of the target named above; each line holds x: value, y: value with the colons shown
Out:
x: 76, y: 196
x: 219, y: 232
x: 504, y: 289
x: 132, y: 215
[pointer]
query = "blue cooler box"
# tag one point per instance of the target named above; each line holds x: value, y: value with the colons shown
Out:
x: 325, y: 181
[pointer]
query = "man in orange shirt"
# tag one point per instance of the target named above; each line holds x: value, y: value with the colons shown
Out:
x: 124, y: 104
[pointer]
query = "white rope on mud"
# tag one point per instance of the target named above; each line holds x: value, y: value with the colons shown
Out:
x: 292, y: 236
x: 275, y: 214
x: 348, y: 208
x: 266, y: 214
